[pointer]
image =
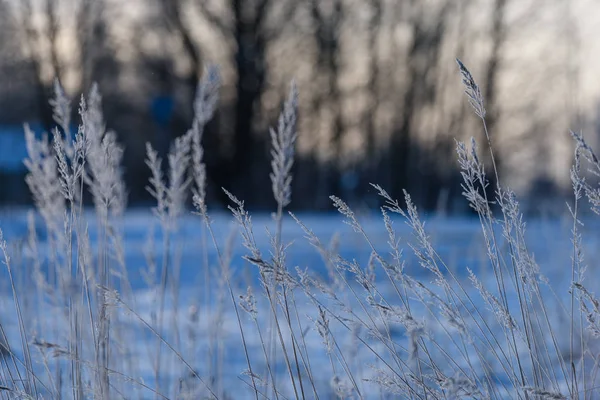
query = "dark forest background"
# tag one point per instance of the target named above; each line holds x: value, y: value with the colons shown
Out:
x: 380, y: 95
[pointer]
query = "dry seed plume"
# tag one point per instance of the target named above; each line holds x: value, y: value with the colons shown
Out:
x: 472, y: 90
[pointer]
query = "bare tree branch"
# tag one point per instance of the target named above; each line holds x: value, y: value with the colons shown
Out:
x: 173, y: 17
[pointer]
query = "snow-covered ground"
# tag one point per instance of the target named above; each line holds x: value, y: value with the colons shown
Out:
x: 202, y: 325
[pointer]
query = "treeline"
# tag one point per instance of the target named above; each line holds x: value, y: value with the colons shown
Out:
x: 377, y: 83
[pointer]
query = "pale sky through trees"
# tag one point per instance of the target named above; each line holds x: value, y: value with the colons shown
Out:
x: 373, y: 75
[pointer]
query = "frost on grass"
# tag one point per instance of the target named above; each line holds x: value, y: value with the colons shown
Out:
x: 427, y: 328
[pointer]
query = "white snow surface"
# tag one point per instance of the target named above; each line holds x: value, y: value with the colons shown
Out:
x: 203, y: 327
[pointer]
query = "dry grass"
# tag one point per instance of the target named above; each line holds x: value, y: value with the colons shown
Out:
x: 383, y: 331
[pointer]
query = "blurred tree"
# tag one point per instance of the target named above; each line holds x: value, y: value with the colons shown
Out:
x: 408, y: 163
x: 373, y: 164
x: 44, y: 35
x: 252, y: 31
x: 247, y: 25
x: 32, y: 39
x: 16, y: 99
x: 173, y: 15
x: 375, y: 24
x: 498, y: 35
x: 94, y: 50
x: 327, y: 18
